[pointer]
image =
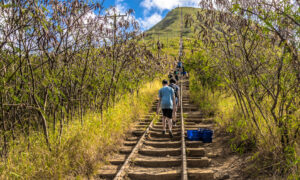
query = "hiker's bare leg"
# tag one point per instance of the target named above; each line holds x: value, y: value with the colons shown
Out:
x: 175, y: 118
x: 164, y: 123
x: 170, y: 124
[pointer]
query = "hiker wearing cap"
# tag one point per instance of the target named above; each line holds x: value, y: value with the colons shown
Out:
x: 168, y: 106
x: 172, y: 84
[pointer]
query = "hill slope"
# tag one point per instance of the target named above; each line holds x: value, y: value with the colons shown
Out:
x: 170, y: 25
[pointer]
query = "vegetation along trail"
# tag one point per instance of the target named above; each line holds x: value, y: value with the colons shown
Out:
x: 79, y: 82
x: 148, y: 154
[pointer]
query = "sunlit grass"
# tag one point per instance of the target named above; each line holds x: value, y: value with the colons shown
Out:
x: 82, y: 149
x: 245, y: 137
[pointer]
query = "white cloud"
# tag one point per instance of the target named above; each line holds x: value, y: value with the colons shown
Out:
x: 158, y: 6
x: 88, y: 17
x: 150, y: 21
x: 167, y: 4
x: 121, y: 7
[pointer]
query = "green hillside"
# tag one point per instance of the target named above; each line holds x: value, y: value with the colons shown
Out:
x: 170, y: 25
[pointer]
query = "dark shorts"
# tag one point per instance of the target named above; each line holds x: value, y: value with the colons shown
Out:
x: 167, y: 113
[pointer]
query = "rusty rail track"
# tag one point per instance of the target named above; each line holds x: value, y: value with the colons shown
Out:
x: 121, y: 174
x: 150, y: 155
x: 183, y: 148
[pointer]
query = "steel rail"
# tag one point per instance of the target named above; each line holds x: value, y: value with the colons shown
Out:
x: 122, y: 172
x: 183, y: 147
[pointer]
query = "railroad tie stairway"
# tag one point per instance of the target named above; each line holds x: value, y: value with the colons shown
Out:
x: 147, y: 154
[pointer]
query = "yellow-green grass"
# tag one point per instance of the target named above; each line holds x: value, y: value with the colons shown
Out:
x: 170, y: 46
x: 245, y: 136
x: 263, y: 146
x: 82, y: 149
x: 170, y: 26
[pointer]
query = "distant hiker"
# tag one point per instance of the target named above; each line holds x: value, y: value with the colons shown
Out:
x: 184, y: 73
x: 170, y: 76
x: 176, y: 73
x: 176, y: 77
x: 168, y: 106
x: 158, y: 45
x: 179, y: 64
x: 172, y: 84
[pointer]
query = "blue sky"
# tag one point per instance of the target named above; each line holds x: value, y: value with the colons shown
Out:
x: 149, y: 12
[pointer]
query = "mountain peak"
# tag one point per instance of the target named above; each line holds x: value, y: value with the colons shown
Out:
x: 170, y: 25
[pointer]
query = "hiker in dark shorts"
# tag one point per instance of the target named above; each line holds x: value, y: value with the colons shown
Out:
x: 176, y: 72
x: 168, y: 106
x: 170, y: 76
x: 172, y: 84
x: 184, y: 73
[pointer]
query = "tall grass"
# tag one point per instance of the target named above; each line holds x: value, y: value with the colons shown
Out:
x: 82, y: 149
x: 202, y: 96
x: 244, y: 136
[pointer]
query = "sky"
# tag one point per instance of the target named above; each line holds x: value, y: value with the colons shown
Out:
x: 149, y: 12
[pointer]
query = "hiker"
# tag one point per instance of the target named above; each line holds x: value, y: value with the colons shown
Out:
x: 158, y: 45
x: 176, y: 72
x: 184, y: 73
x: 170, y: 76
x: 179, y: 64
x: 172, y: 84
x: 168, y: 106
